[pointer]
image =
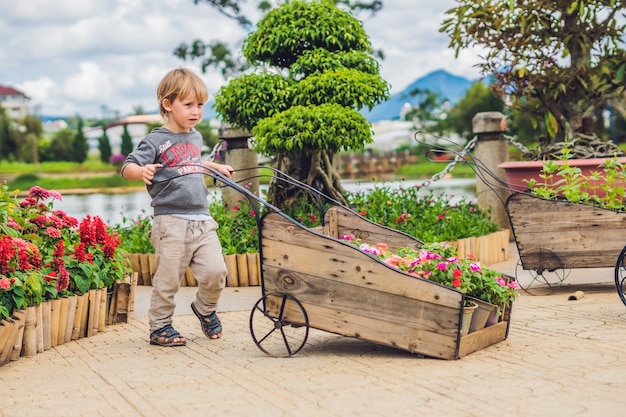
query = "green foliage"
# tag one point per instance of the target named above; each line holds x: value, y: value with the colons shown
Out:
x: 8, y: 139
x: 602, y: 188
x: 321, y: 60
x: 216, y: 54
x: 252, y: 97
x: 310, y: 55
x: 135, y: 234
x: 127, y: 142
x: 238, y: 230
x: 429, y: 217
x: 557, y: 59
x: 479, y: 98
x: 60, y: 148
x: 287, y: 31
x: 104, y: 146
x: 347, y: 87
x: 300, y: 129
x: 80, y: 147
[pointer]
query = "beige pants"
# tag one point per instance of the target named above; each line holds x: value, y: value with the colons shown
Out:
x: 180, y: 243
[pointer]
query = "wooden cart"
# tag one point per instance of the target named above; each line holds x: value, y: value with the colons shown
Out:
x: 555, y: 236
x: 311, y: 279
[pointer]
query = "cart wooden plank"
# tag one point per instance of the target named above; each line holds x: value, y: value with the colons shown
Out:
x: 367, y: 302
x: 552, y: 234
x: 341, y: 221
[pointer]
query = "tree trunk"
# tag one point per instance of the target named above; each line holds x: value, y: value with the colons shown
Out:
x: 314, y: 169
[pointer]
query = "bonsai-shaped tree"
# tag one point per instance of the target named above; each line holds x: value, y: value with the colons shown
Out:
x: 315, y: 70
x: 217, y: 54
x: 558, y: 59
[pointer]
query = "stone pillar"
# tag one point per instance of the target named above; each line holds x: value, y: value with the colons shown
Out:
x: 491, y: 150
x: 239, y: 156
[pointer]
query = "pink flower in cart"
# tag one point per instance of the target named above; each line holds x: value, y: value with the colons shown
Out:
x: 475, y: 267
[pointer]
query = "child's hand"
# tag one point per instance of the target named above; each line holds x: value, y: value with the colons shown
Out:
x: 148, y: 171
x: 226, y: 170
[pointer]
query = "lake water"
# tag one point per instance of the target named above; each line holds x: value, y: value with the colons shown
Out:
x: 113, y: 208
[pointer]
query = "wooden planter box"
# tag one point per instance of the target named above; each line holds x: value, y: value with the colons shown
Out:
x: 488, y: 250
x: 53, y: 323
x: 349, y: 292
x: 243, y: 270
x: 552, y: 234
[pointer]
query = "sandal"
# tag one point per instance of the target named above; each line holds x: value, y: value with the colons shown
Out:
x: 166, y: 336
x: 211, y: 325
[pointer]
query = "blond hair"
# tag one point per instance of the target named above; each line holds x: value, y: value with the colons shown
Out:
x: 180, y: 82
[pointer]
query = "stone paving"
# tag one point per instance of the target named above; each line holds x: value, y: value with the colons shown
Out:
x: 562, y: 358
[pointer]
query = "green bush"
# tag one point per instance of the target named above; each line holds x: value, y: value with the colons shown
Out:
x: 428, y: 216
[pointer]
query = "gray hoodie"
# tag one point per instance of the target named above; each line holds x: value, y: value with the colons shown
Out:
x: 179, y: 186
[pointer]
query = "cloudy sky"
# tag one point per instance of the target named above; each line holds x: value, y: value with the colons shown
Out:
x: 94, y: 58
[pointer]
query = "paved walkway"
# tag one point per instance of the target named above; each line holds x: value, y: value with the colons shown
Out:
x: 561, y: 358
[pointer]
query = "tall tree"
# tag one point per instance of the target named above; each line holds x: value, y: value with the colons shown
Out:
x: 127, y: 142
x: 80, y: 147
x: 559, y: 59
x: 302, y: 106
x: 104, y: 146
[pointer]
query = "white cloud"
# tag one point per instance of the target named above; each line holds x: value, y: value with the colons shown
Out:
x: 81, y: 56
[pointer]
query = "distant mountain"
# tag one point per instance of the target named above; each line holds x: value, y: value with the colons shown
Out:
x: 449, y: 87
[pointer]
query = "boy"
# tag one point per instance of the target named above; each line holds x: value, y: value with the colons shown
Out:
x: 184, y: 234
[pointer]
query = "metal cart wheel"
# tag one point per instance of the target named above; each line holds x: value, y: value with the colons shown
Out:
x: 279, y: 325
x: 620, y: 275
x: 549, y: 271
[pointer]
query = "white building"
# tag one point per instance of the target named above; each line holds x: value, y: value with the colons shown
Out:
x: 14, y: 102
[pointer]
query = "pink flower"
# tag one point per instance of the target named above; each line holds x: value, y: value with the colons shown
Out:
x: 5, y: 284
x: 442, y: 266
x: 53, y: 232
x: 513, y: 284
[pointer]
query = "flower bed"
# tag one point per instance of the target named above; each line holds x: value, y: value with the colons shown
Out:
x: 46, y: 258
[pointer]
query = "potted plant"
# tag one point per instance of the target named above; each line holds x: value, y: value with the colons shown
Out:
x: 557, y: 63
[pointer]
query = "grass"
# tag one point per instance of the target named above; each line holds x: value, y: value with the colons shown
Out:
x: 97, y: 175
x: 91, y: 165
